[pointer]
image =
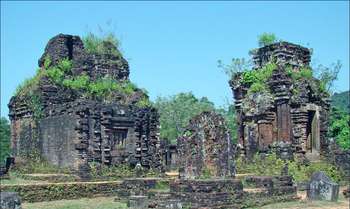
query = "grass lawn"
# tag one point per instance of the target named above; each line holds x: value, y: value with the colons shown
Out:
x: 84, y: 203
x: 108, y: 203
x: 18, y: 180
x: 342, y: 203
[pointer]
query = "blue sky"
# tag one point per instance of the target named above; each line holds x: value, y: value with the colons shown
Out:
x: 173, y: 46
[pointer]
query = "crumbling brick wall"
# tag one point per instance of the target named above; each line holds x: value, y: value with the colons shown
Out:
x: 206, y: 147
x: 73, y: 130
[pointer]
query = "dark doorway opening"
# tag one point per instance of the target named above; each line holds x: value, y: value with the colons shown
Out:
x: 118, y: 146
x: 312, y: 131
x: 119, y: 138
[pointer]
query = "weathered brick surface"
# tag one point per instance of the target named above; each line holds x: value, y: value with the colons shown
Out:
x: 224, y: 193
x: 74, y: 130
x: 206, y: 147
x: 291, y: 110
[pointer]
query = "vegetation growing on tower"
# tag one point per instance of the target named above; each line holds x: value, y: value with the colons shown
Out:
x: 266, y: 39
x: 106, y: 44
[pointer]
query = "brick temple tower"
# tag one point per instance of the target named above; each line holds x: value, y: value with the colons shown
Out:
x: 292, y: 109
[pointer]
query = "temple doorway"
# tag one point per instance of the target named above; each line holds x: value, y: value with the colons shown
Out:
x: 118, y: 148
x: 313, y: 133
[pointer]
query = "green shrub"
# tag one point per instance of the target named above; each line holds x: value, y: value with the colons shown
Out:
x: 303, y: 73
x: 257, y: 79
x: 33, y: 163
x: 65, y: 65
x: 28, y: 86
x: 77, y: 83
x: 323, y: 87
x: 36, y: 106
x: 129, y: 88
x: 47, y: 62
x: 103, y: 86
x: 162, y: 185
x: 272, y: 166
x: 144, y: 102
x: 107, y: 44
x: 206, y: 173
x: 259, y: 75
x: 306, y: 73
x: 249, y: 77
x: 266, y: 39
x: 110, y: 172
x: 188, y: 133
x: 55, y: 74
x: 257, y: 87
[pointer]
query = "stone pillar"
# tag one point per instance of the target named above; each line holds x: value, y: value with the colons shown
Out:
x: 284, y: 123
x: 138, y: 202
x: 10, y: 200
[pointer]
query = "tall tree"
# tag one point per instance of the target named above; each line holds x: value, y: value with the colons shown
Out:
x: 228, y: 112
x: 340, y: 127
x: 327, y: 75
x: 176, y: 111
x: 4, y: 139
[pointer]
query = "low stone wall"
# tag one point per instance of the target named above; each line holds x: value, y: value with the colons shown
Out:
x: 224, y: 193
x: 273, y: 184
x: 73, y: 190
x: 208, y: 186
x: 57, y: 191
x: 195, y: 194
x: 200, y: 193
x: 136, y: 186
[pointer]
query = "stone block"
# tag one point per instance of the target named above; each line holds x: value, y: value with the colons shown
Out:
x: 322, y: 188
x: 138, y: 202
x: 10, y: 200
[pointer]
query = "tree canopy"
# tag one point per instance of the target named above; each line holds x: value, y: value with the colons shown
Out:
x: 176, y: 111
x: 341, y: 101
x: 4, y: 139
x: 340, y: 127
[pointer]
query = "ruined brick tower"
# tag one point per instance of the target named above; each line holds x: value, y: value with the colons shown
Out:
x: 68, y: 128
x: 289, y: 106
x: 206, y: 148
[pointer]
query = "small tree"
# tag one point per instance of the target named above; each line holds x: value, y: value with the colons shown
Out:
x: 237, y: 65
x: 327, y: 75
x: 266, y: 39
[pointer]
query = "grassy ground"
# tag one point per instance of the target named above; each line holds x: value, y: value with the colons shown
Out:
x: 303, y: 203
x: 84, y: 203
x: 18, y: 180
x: 108, y: 203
